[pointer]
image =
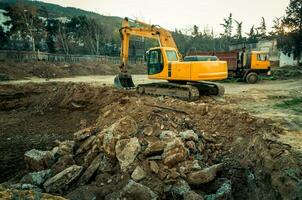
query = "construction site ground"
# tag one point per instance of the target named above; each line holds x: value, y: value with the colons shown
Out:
x: 265, y: 117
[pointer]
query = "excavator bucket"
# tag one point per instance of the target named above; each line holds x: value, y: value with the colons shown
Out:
x: 123, y: 81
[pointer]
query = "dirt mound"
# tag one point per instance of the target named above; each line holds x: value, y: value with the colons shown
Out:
x: 145, y: 147
x: 16, y: 70
x: 287, y: 72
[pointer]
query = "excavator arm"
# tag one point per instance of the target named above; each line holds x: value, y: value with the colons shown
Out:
x: 163, y: 37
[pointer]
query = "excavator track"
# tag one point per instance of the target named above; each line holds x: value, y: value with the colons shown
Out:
x: 188, y: 92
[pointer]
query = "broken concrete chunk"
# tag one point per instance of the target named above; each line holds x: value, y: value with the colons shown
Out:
x: 189, y: 135
x: 90, y: 170
x: 126, y: 151
x: 62, y: 180
x: 154, y: 167
x: 174, y: 152
x: 138, y: 174
x: 36, y: 178
x: 122, y: 129
x: 156, y: 148
x: 167, y: 136
x: 179, y: 189
x: 82, y: 134
x: 37, y: 160
x: 191, y: 195
x: 86, y: 145
x: 205, y: 175
x: 27, y: 194
x: 63, y: 163
x: 65, y: 148
x: 138, y: 191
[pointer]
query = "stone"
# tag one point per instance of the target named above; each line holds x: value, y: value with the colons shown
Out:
x: 89, y: 157
x: 82, y: 134
x: 224, y: 192
x: 86, y: 145
x: 90, y: 171
x: 174, y: 153
x: 189, y: 135
x: 62, y: 180
x: 156, y: 148
x: 154, y: 167
x: 204, y: 176
x: 122, y: 129
x: 138, y: 174
x: 167, y: 136
x: 65, y: 148
x: 189, y: 166
x: 126, y: 151
x: 138, y: 191
x: 36, y: 178
x: 27, y: 194
x: 37, y: 160
x: 191, y: 195
x: 86, y: 192
x: 179, y: 189
x: 148, y: 131
x: 62, y: 163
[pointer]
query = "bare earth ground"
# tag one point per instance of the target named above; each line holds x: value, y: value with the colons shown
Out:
x: 37, y: 111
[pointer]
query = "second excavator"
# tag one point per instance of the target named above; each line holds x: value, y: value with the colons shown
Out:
x: 184, y: 80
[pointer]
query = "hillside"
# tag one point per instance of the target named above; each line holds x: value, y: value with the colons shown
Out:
x: 60, y: 11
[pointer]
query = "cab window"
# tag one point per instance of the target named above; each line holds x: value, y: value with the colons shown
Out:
x: 171, y: 55
x: 155, y: 62
x: 262, y: 57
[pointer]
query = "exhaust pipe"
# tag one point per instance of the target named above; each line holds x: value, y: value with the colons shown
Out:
x: 123, y: 81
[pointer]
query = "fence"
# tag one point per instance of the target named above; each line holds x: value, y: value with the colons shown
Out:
x: 25, y: 56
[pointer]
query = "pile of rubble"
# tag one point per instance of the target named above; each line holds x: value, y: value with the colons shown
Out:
x: 122, y: 162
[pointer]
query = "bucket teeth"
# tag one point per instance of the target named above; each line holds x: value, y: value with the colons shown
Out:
x: 123, y: 81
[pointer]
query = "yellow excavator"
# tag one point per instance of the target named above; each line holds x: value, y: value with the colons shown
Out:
x: 184, y: 80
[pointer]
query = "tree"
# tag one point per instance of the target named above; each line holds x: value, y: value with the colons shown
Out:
x: 25, y: 20
x: 252, y: 35
x: 3, y: 37
x: 262, y: 28
x: 290, y: 41
x: 228, y: 26
x: 238, y: 35
x: 195, y: 31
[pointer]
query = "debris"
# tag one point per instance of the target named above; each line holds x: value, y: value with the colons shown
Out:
x: 37, y: 160
x: 189, y: 135
x: 126, y: 151
x: 62, y: 180
x: 36, y: 178
x: 156, y: 148
x: 139, y: 191
x: 174, y: 152
x: 138, y: 174
x: 167, y: 108
x: 90, y: 170
x: 10, y: 194
x: 63, y: 162
x: 204, y: 176
x: 154, y: 166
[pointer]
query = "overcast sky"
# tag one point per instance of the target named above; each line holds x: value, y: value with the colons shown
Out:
x: 183, y: 14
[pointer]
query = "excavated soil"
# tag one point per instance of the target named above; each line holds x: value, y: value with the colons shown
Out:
x: 256, y: 163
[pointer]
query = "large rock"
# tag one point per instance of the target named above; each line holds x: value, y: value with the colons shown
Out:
x: 65, y: 148
x: 90, y: 170
x: 37, y: 160
x: 138, y: 174
x: 83, y: 134
x: 174, y: 152
x: 126, y: 151
x: 62, y: 180
x: 156, y: 148
x: 62, y: 163
x: 36, y: 178
x: 204, y: 176
x: 11, y: 194
x: 138, y: 191
x: 189, y: 135
x: 89, y: 157
x: 86, y: 145
x: 122, y: 129
x: 86, y: 192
